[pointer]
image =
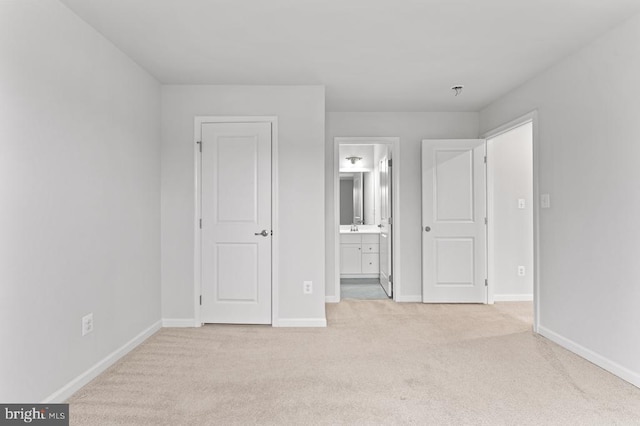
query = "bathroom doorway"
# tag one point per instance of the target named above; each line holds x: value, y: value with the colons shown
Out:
x: 367, y: 221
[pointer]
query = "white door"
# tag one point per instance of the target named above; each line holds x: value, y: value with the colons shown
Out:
x: 385, y: 226
x: 236, y: 223
x: 453, y: 221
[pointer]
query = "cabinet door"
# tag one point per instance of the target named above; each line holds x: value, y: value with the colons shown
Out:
x: 370, y: 248
x: 350, y: 259
x: 370, y: 263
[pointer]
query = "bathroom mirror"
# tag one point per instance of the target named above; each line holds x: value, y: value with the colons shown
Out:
x: 356, y: 198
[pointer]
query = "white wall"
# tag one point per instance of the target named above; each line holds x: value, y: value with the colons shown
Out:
x: 79, y: 198
x: 300, y: 111
x: 510, y: 178
x: 589, y: 149
x: 411, y: 127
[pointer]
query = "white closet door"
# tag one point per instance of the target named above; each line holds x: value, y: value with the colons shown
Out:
x: 236, y: 223
x: 453, y: 221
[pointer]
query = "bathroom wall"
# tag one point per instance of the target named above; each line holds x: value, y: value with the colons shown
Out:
x: 369, y: 197
x: 363, y: 151
x: 379, y: 151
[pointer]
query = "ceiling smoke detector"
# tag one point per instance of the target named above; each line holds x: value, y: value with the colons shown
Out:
x: 457, y: 88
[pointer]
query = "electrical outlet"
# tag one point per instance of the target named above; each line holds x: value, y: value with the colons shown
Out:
x: 521, y: 203
x: 521, y: 271
x: 87, y: 324
x: 545, y: 201
x: 307, y: 287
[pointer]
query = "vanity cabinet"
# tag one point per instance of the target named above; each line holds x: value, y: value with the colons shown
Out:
x: 350, y: 259
x: 359, y: 255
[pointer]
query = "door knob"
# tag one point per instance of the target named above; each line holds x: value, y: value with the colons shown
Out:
x: 264, y: 233
x: 427, y: 228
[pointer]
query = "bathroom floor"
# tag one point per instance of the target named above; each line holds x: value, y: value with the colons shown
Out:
x: 361, y: 288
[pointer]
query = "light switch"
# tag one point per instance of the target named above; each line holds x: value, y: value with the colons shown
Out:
x: 545, y: 201
x: 521, y: 203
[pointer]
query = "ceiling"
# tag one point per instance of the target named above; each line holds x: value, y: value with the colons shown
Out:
x: 372, y: 55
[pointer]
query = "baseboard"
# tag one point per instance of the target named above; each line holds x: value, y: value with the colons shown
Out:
x: 599, y: 360
x: 331, y: 299
x: 179, y: 322
x: 513, y: 297
x: 300, y: 322
x: 414, y: 298
x: 359, y: 276
x: 76, y: 384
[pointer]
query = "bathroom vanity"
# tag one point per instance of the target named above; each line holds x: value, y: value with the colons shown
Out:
x: 360, y: 252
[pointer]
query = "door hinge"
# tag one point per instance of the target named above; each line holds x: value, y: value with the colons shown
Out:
x: 200, y: 300
x: 390, y: 161
x: 200, y: 223
x: 390, y: 221
x: 199, y: 145
x: 486, y: 282
x: 485, y: 159
x: 272, y: 232
x: 486, y: 221
x: 390, y: 278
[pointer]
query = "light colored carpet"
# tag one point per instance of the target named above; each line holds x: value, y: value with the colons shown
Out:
x: 378, y: 362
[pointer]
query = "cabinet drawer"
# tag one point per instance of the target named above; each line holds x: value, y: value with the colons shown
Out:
x: 370, y: 263
x: 370, y: 248
x: 350, y: 239
x: 370, y: 238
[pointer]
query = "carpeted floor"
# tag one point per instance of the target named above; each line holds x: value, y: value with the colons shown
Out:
x: 378, y: 362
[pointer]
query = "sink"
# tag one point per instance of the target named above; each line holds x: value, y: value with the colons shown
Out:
x: 362, y: 229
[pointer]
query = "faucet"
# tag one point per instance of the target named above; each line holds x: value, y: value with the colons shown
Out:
x: 354, y: 227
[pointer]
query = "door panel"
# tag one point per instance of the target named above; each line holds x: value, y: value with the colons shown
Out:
x: 453, y: 185
x: 385, y: 226
x: 454, y: 261
x: 370, y: 263
x: 245, y: 280
x: 453, y: 212
x: 236, y: 205
x: 237, y: 176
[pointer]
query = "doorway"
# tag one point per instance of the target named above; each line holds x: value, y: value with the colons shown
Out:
x: 511, y: 212
x: 366, y: 196
x: 480, y: 218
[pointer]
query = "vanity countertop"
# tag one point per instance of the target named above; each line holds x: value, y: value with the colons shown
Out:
x: 362, y: 229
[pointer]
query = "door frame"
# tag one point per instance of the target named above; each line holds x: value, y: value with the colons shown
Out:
x: 197, y: 264
x: 394, y: 143
x: 531, y: 117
